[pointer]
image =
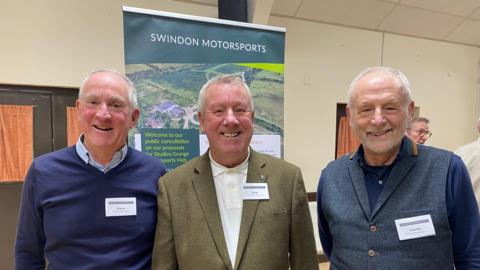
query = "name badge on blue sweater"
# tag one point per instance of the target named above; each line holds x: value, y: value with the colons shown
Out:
x: 118, y: 207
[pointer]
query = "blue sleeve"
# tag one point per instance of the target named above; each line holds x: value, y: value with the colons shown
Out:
x: 463, y: 215
x: 30, y: 239
x: 323, y: 229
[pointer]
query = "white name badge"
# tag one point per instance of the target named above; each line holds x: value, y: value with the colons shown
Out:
x: 255, y: 191
x: 117, y: 207
x: 415, y: 227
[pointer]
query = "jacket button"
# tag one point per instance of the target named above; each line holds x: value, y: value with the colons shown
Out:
x: 373, y: 228
x: 371, y: 253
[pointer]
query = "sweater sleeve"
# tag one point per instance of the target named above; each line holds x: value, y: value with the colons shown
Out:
x: 463, y: 215
x: 30, y: 239
x: 323, y: 229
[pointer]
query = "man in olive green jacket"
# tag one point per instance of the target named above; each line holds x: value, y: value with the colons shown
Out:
x: 232, y: 208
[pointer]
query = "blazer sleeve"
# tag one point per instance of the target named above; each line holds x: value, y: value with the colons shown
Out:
x: 303, y: 252
x: 163, y: 256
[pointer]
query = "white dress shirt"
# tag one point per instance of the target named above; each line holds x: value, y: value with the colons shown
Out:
x: 228, y: 183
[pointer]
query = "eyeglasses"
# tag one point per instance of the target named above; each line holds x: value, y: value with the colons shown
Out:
x: 423, y: 132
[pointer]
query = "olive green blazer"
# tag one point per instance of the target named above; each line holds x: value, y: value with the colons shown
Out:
x: 274, y: 234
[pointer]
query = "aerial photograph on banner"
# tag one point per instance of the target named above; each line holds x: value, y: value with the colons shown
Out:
x: 168, y: 93
x: 169, y: 57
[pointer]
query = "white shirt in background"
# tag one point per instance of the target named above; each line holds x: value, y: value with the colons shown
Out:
x: 470, y: 155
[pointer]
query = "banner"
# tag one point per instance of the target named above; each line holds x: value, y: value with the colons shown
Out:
x: 170, y: 56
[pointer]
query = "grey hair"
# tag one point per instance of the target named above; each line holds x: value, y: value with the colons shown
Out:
x: 237, y: 79
x: 402, y: 79
x: 416, y: 120
x: 132, y: 92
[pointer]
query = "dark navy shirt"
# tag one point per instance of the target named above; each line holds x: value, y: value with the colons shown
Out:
x: 462, y: 209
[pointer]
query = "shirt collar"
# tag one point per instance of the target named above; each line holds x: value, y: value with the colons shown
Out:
x: 218, y: 169
x: 360, y: 153
x: 83, y: 153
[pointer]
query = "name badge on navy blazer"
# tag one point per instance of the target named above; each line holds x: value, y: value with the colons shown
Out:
x: 255, y: 191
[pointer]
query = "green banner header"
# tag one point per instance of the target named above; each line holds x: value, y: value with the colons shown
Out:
x: 156, y: 39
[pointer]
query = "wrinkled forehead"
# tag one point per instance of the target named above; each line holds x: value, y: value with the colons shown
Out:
x: 380, y: 79
x: 226, y: 91
x: 378, y: 83
x: 102, y: 81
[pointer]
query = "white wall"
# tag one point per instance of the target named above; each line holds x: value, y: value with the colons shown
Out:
x: 321, y: 60
x: 56, y: 42
x: 444, y: 85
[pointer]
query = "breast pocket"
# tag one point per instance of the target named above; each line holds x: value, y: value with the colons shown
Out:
x: 423, y: 242
x: 272, y: 225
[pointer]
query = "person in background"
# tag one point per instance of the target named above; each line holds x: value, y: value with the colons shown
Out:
x: 470, y: 154
x: 418, y: 130
x: 232, y: 208
x: 92, y: 205
x: 394, y: 204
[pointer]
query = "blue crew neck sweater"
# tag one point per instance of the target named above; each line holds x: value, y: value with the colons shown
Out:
x: 63, y: 222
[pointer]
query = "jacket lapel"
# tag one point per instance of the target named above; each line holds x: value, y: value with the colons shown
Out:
x: 204, y: 187
x: 358, y: 182
x: 256, y: 174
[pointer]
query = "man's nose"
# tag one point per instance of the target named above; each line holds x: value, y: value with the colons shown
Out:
x: 378, y: 118
x: 230, y: 117
x: 103, y: 111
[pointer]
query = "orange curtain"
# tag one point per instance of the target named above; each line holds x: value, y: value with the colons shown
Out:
x: 347, y: 141
x: 16, y: 141
x: 73, y: 127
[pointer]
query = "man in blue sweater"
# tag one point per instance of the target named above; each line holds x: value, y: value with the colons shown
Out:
x: 394, y: 204
x: 92, y: 205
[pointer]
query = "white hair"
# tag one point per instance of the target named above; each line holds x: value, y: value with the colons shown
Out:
x: 132, y: 92
x: 401, y: 78
x: 226, y: 79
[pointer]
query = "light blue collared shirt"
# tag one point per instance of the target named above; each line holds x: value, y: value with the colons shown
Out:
x: 117, y: 158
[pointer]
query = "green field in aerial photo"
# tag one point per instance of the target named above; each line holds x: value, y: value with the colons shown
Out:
x: 168, y: 93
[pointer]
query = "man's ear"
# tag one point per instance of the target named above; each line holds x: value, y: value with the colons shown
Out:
x: 411, y: 109
x: 200, y: 120
x: 349, y: 115
x: 253, y: 119
x: 77, y: 107
x: 135, y: 116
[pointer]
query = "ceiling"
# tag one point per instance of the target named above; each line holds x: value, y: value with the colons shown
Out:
x: 455, y: 21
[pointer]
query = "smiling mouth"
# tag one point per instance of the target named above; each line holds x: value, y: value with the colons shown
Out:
x: 102, y: 128
x: 379, y: 133
x: 230, y: 135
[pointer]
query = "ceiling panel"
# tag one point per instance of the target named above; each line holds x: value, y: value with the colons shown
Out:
x: 454, y: 7
x: 448, y: 20
x: 364, y: 14
x: 476, y: 15
x: 209, y: 2
x: 285, y: 7
x: 419, y: 22
x: 468, y: 32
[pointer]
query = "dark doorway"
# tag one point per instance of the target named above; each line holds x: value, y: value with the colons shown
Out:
x: 49, y: 134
